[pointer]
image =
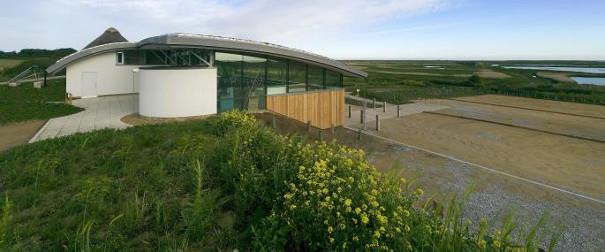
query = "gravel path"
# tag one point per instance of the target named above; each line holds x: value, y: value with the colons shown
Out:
x: 580, y: 223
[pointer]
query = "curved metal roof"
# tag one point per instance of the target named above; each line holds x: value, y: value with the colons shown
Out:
x: 84, y: 53
x: 225, y: 44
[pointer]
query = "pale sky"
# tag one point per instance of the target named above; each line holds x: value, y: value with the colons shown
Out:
x: 341, y: 29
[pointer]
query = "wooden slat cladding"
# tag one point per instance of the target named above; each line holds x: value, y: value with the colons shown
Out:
x: 323, y: 108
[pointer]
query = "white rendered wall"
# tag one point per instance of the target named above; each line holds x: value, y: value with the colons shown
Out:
x: 111, y: 78
x: 177, y: 92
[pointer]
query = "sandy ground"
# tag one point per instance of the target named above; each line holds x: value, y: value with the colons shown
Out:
x: 568, y: 163
x: 539, y: 104
x: 586, y: 127
x: 16, y: 134
x: 491, y: 74
x: 562, y: 77
x: 425, y: 74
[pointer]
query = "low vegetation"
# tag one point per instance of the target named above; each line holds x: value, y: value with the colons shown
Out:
x: 403, y: 81
x: 220, y: 184
x: 13, y: 63
x: 25, y: 102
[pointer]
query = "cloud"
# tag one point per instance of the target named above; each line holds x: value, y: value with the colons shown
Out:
x: 282, y: 21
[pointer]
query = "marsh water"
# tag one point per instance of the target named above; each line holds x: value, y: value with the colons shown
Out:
x: 590, y: 80
x: 598, y: 70
x: 580, y: 80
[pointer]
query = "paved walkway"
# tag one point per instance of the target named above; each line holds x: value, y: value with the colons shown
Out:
x: 391, y: 112
x: 99, y: 113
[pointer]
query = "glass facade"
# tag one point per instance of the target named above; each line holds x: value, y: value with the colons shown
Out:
x: 167, y: 57
x: 244, y: 80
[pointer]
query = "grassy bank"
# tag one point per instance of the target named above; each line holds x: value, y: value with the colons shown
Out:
x: 402, y: 81
x: 25, y: 102
x: 220, y: 184
x: 13, y: 63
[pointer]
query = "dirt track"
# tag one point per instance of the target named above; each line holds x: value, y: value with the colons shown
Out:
x: 539, y: 104
x: 568, y: 163
x: 587, y: 127
x: 15, y: 134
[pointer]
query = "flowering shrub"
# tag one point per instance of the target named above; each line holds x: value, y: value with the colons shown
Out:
x: 234, y: 120
x: 336, y: 202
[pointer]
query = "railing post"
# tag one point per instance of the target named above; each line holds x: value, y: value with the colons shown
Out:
x: 349, y: 111
x: 384, y: 106
x: 359, y: 134
x: 377, y: 122
x: 361, y: 114
x: 363, y: 119
x: 398, y: 111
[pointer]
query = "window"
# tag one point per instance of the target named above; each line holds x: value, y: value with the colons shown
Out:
x: 298, y: 76
x: 276, y: 76
x: 316, y: 78
x: 120, y: 58
x: 332, y: 79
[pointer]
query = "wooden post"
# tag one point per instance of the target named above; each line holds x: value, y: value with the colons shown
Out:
x: 321, y: 136
x: 363, y: 123
x: 349, y: 111
x: 308, y: 126
x: 359, y: 134
x: 398, y: 111
x: 377, y: 122
x: 361, y: 114
x: 384, y: 106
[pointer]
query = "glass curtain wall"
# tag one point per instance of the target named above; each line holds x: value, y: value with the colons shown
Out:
x: 316, y: 78
x: 167, y: 57
x: 244, y: 81
x: 277, y: 79
x: 253, y: 85
x: 297, y: 78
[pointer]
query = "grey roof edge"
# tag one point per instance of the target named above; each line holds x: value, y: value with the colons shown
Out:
x: 216, y: 43
x: 84, y: 53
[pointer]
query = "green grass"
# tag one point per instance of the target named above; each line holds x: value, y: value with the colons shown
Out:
x: 9, y: 63
x: 13, y: 63
x: 402, y: 81
x: 25, y: 102
x: 220, y: 184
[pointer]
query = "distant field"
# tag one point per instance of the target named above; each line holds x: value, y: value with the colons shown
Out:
x: 9, y: 63
x: 403, y: 81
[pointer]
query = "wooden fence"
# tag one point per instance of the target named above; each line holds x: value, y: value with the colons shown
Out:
x: 323, y: 108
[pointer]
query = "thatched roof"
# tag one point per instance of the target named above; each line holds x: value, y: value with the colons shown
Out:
x: 110, y: 35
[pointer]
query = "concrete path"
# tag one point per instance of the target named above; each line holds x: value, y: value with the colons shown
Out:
x: 391, y: 112
x: 99, y: 113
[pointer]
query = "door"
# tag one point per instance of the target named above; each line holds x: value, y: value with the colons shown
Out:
x: 89, y: 84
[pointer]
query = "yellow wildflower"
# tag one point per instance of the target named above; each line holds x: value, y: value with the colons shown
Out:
x: 348, y: 202
x: 364, y: 219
